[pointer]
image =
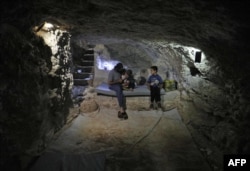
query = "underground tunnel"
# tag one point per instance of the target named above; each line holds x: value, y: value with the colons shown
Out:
x: 57, y: 112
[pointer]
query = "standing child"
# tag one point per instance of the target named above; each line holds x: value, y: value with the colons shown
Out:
x: 155, y: 83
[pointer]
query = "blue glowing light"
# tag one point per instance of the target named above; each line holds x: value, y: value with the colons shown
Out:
x: 104, y: 64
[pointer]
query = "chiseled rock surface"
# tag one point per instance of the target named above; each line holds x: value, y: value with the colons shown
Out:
x: 213, y: 95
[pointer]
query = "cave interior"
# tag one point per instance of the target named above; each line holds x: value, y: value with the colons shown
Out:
x: 54, y: 54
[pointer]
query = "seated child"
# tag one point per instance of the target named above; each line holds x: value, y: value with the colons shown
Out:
x: 124, y: 77
x: 129, y: 81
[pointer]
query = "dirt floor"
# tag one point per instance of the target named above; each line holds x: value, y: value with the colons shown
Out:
x: 153, y: 140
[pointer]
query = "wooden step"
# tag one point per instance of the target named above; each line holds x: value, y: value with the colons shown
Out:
x: 91, y: 46
x: 81, y: 82
x: 87, y: 63
x: 81, y: 75
x: 88, y: 57
x: 89, y: 51
x: 88, y: 69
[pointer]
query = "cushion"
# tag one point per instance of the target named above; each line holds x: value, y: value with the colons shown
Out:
x: 103, y: 89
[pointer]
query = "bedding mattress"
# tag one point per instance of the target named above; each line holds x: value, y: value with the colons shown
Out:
x: 103, y: 89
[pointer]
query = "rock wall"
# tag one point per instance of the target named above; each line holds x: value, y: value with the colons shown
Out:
x: 214, y: 108
x: 34, y: 102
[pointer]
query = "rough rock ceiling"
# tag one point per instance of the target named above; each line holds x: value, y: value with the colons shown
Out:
x: 214, y: 26
x: 184, y: 21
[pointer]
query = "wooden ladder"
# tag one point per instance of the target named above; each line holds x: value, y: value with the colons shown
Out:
x: 84, y: 72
